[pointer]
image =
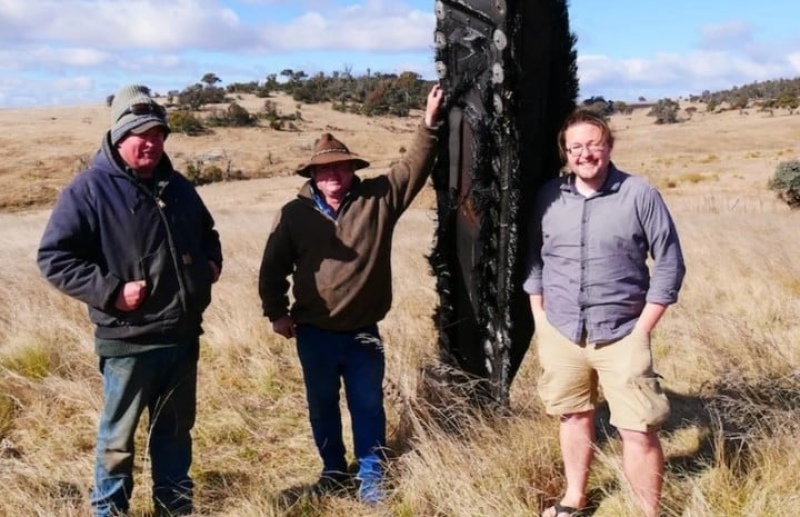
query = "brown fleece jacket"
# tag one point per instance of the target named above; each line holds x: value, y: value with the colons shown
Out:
x: 341, y: 270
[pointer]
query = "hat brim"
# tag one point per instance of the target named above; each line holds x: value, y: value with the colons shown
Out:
x: 147, y: 126
x: 305, y: 169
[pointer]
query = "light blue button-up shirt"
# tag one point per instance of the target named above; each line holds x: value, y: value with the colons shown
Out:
x: 588, y: 255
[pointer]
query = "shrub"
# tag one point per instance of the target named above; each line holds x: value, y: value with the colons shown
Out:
x: 623, y: 108
x: 599, y: 105
x: 199, y: 174
x: 786, y: 182
x: 235, y: 115
x: 270, y: 111
x: 197, y: 95
x: 665, y: 111
x: 239, y: 116
x: 183, y: 121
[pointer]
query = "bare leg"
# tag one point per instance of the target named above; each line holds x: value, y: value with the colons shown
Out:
x: 576, y: 434
x: 643, y: 462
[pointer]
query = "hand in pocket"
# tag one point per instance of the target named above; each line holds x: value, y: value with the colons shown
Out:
x: 131, y: 295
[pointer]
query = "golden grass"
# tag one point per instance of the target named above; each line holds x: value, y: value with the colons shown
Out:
x: 737, y: 316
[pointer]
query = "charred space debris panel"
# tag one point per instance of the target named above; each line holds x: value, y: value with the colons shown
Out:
x: 508, y: 68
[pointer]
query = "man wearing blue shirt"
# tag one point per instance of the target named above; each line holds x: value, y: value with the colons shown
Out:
x: 595, y: 303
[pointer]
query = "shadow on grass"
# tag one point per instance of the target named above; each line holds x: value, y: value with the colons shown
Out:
x: 693, y: 412
x: 732, y: 415
x: 214, y: 489
x: 309, y: 499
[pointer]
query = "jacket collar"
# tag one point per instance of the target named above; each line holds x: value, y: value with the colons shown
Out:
x: 116, y: 166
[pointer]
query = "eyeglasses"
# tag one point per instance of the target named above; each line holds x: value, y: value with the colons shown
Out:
x: 145, y: 108
x: 592, y: 147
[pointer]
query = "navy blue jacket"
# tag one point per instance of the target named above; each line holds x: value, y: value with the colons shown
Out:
x: 107, y: 228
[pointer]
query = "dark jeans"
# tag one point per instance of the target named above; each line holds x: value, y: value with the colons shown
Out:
x: 164, y: 381
x: 357, y: 358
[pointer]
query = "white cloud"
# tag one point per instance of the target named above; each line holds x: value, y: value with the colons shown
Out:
x: 129, y: 24
x: 728, y: 35
x: 794, y: 59
x: 670, y: 74
x: 374, y: 27
x: 207, y: 25
x: 72, y: 90
x: 55, y: 58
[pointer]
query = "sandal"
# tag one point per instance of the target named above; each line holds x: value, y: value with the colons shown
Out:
x: 560, y: 509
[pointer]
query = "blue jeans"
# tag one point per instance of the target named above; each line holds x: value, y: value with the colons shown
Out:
x: 164, y: 381
x: 357, y: 358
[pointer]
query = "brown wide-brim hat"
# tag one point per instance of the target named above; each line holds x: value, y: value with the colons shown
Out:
x: 328, y: 150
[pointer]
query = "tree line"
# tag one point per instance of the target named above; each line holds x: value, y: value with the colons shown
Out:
x: 370, y: 94
x: 375, y: 94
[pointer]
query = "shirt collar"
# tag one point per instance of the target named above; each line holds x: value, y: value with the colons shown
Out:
x: 611, y: 185
x: 319, y: 199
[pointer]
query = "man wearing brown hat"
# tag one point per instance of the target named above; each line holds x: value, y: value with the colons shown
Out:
x: 131, y: 238
x: 335, y: 241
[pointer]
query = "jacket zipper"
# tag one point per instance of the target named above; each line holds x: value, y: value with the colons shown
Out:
x: 172, y: 249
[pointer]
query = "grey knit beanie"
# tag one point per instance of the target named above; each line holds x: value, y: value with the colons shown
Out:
x: 134, y: 110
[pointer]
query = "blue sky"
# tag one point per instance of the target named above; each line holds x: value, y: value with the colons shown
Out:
x: 59, y: 52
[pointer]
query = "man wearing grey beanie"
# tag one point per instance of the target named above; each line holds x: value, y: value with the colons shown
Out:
x: 132, y: 239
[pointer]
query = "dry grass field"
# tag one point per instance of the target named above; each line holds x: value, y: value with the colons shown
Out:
x: 728, y: 351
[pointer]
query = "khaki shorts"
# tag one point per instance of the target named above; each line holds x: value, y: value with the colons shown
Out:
x: 622, y: 368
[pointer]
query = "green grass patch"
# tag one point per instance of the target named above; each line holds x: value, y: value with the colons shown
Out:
x: 32, y: 361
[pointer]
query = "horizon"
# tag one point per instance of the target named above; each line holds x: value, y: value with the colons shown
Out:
x: 625, y: 51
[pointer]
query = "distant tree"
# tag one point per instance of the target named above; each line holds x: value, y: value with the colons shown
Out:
x: 210, y: 79
x: 408, y: 81
x: 739, y: 101
x: 196, y: 96
x: 599, y: 105
x: 250, y: 87
x: 109, y: 100
x: 642, y: 99
x: 270, y: 84
x: 789, y: 102
x: 294, y: 78
x: 375, y: 103
x: 665, y: 111
x: 172, y: 95
x: 594, y: 99
x: 623, y: 108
